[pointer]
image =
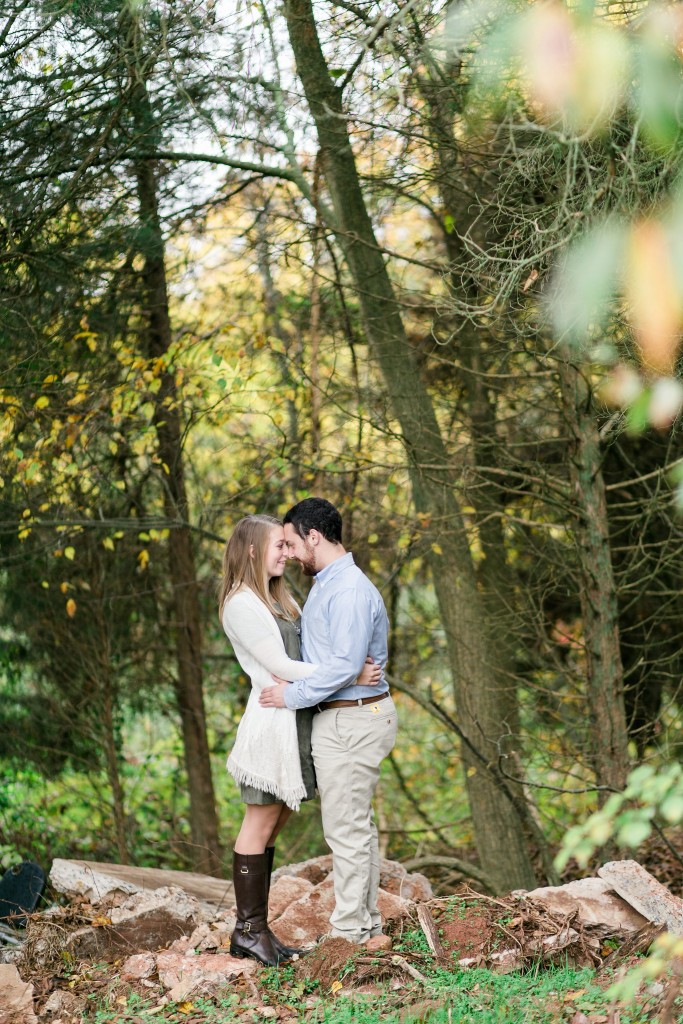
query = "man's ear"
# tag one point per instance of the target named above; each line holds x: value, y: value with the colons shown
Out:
x: 313, y: 537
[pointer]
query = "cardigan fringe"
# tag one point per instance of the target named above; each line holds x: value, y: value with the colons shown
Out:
x: 292, y: 797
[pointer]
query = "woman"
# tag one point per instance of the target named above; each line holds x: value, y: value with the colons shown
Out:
x: 271, y: 759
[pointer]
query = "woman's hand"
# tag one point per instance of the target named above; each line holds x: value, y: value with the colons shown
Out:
x: 370, y: 675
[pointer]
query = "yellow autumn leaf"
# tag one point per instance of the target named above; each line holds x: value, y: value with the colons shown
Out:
x: 64, y: 587
x: 50, y: 379
x: 143, y: 558
x: 437, y: 549
x: 101, y: 921
x: 108, y: 543
x: 23, y: 534
x: 69, y: 553
x: 42, y: 402
x: 71, y: 607
x: 184, y: 1007
x: 336, y: 986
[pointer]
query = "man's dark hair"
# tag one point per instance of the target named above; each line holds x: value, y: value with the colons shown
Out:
x: 316, y: 514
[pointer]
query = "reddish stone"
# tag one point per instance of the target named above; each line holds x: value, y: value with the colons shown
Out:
x: 285, y: 891
x: 207, y: 972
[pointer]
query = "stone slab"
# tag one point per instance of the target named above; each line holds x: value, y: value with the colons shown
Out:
x: 95, y: 880
x: 648, y: 896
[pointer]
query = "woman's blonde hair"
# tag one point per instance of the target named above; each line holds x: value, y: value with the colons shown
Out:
x: 244, y: 565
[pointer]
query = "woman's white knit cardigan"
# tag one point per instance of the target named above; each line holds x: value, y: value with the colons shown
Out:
x: 266, y: 750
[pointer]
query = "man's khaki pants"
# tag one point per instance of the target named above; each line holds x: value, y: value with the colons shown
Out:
x: 349, y: 745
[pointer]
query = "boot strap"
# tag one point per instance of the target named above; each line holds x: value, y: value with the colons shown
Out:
x: 251, y: 926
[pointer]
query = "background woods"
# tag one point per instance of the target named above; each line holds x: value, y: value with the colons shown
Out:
x: 252, y: 253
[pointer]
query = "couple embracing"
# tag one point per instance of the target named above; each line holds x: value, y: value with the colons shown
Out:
x: 328, y: 720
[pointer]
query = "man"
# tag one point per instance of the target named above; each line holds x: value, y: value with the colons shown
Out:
x: 344, y: 621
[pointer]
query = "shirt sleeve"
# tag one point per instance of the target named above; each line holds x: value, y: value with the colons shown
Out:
x: 247, y: 623
x: 350, y: 620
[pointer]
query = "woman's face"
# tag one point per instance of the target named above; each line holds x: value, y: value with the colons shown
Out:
x: 276, y: 553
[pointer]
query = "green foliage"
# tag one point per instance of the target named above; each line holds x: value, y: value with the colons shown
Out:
x: 609, y: 87
x: 628, y: 817
x: 665, y: 958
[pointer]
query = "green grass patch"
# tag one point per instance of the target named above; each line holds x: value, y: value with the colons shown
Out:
x: 542, y: 996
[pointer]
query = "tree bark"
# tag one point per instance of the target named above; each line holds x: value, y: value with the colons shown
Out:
x: 599, y: 604
x: 206, y: 852
x: 111, y: 757
x: 156, y: 339
x: 476, y: 672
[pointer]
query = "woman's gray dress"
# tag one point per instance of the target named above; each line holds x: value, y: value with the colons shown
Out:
x: 291, y: 636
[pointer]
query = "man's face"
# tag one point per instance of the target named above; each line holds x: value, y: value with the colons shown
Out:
x: 301, y: 550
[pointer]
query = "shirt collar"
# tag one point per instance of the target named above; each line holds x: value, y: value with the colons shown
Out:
x: 331, y: 570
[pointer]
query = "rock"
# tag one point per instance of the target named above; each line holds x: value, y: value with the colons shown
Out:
x: 66, y: 1005
x: 394, y: 878
x: 595, y: 904
x: 145, y: 921
x: 213, y: 936
x: 139, y: 966
x: 314, y: 870
x: 285, y: 891
x: 377, y: 943
x: 307, y: 918
x: 644, y: 893
x: 200, y: 974
x: 16, y: 1004
x: 96, y: 880
x: 503, y: 962
x: 78, y: 878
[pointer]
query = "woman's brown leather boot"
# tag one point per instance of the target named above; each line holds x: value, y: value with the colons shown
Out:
x: 285, y: 952
x: 251, y: 937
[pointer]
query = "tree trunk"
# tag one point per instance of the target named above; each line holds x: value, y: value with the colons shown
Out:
x: 156, y: 341
x: 476, y: 672
x: 206, y: 853
x: 272, y: 300
x: 599, y: 606
x: 111, y: 757
x: 493, y: 572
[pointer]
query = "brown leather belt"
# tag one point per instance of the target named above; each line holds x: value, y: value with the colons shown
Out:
x: 328, y: 704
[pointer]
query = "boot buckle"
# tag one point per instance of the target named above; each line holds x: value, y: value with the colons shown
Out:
x: 246, y: 927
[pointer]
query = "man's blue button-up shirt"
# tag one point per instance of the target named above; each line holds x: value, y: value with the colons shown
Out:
x: 344, y: 620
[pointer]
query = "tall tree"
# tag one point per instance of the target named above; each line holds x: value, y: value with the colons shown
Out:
x: 481, y: 684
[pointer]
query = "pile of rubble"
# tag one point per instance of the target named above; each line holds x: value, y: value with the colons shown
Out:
x: 166, y: 935
x: 166, y: 932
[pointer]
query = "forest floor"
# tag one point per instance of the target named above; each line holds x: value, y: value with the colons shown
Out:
x: 465, y: 975
x: 344, y: 984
